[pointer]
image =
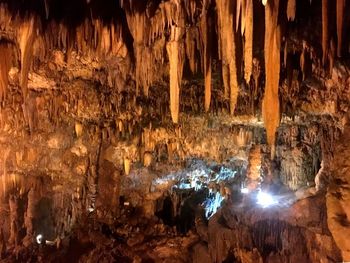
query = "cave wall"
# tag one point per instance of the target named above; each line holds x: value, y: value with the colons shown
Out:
x: 92, y: 94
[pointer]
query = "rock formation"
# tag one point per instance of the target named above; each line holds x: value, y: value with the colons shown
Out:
x: 174, y: 131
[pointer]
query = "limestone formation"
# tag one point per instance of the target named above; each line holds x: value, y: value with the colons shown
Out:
x: 174, y: 131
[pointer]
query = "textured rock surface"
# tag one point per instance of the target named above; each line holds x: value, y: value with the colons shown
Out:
x: 338, y: 196
x: 128, y: 128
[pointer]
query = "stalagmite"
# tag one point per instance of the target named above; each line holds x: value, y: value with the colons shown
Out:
x: 271, y: 106
x: 225, y: 10
x: 26, y: 40
x: 324, y: 31
x: 248, y: 41
x: 340, y: 21
x: 291, y: 8
x: 175, y: 50
x: 254, y: 165
x: 13, y: 204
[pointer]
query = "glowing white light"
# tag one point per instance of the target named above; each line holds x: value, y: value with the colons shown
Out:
x: 264, y: 2
x: 91, y: 209
x: 212, y: 204
x: 39, y: 238
x: 244, y: 190
x: 265, y: 199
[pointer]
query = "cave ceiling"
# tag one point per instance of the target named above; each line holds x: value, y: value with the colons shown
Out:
x: 239, y: 52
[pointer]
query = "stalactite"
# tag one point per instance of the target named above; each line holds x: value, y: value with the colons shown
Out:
x: 225, y: 11
x: 26, y: 39
x: 78, y: 129
x: 331, y: 56
x: 191, y: 48
x: 324, y: 30
x: 147, y: 159
x: 127, y: 163
x: 47, y: 9
x: 175, y: 50
x: 206, y: 40
x: 285, y: 53
x: 5, y: 64
x: 302, y: 61
x: 226, y: 81
x: 340, y: 21
x: 248, y: 41
x: 239, y: 12
x: 271, y: 107
x: 138, y: 25
x: 291, y: 8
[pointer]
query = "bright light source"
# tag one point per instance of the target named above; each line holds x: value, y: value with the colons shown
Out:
x: 91, y: 209
x: 244, y: 190
x: 265, y: 199
x: 39, y: 238
x: 212, y: 204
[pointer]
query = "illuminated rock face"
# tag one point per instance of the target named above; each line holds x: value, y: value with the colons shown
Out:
x: 337, y: 197
x: 135, y: 121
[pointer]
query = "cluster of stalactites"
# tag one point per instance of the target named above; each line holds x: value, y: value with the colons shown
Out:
x: 227, y: 49
x: 32, y: 39
x: 191, y: 26
x: 329, y: 49
x: 22, y: 39
x: 234, y: 15
x: 148, y: 29
x: 148, y: 32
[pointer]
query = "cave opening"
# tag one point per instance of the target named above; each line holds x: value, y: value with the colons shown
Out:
x: 166, y: 211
